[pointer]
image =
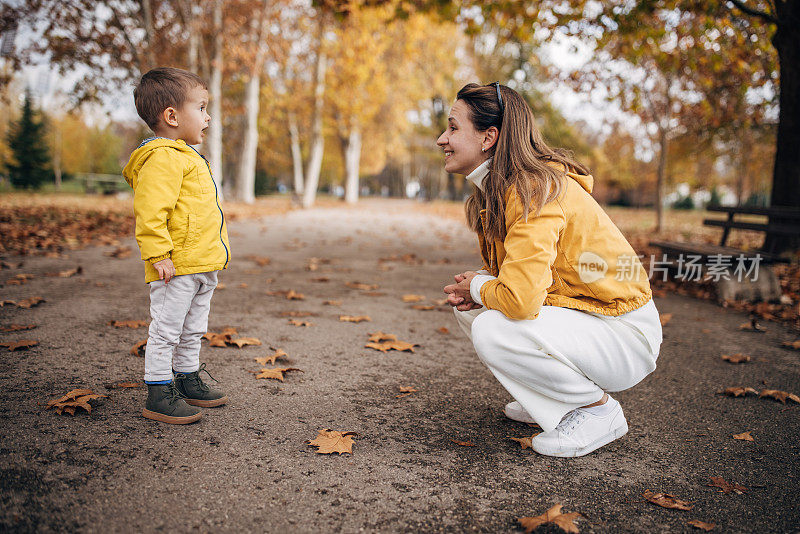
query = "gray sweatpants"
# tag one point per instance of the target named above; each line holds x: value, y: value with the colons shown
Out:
x: 179, y: 312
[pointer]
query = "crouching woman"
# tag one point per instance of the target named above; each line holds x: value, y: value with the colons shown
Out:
x: 562, y: 310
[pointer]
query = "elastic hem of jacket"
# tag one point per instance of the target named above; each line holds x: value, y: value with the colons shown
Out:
x: 194, y: 269
x: 613, y: 309
x: 155, y: 259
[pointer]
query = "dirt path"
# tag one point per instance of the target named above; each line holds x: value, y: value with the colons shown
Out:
x: 246, y: 467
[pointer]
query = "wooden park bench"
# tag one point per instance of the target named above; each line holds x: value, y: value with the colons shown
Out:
x: 781, y: 221
x: 103, y: 183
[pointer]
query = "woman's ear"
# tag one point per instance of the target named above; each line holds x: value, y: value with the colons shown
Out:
x: 490, y: 138
x: 170, y: 116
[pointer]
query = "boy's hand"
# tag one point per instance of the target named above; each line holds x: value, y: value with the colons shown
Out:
x: 166, y: 270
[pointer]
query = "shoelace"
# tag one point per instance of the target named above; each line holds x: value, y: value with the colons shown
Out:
x: 572, y: 420
x: 174, y: 394
x: 197, y: 378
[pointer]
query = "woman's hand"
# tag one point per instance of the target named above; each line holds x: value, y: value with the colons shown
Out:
x: 458, y: 294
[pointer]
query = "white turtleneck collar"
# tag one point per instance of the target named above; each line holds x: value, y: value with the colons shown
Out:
x: 477, y: 176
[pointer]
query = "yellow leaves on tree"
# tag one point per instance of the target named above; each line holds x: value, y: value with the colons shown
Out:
x: 271, y: 358
x: 666, y: 500
x: 565, y: 522
x: 354, y: 318
x: 77, y: 398
x: 330, y: 441
x: 22, y: 344
x: 276, y: 373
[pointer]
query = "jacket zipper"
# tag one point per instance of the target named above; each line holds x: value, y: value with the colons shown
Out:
x: 216, y: 198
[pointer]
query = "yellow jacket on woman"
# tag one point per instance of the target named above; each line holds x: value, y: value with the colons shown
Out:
x: 177, y: 208
x: 570, y: 255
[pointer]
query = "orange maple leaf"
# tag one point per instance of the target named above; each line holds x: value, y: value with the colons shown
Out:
x: 354, y: 319
x: 294, y: 295
x: 665, y: 318
x: 332, y: 303
x: 380, y: 336
x: 564, y: 521
x: 463, y: 443
x: 77, y: 398
x: 666, y: 500
x: 405, y: 391
x: 736, y: 358
x: 30, y: 302
x: 744, y: 436
x: 271, y: 358
x: 295, y: 322
x: 22, y: 344
x: 413, y: 298
x: 276, y: 373
x: 778, y: 395
x: 330, y: 441
x: 17, y: 327
x: 361, y: 286
x: 422, y: 307
x: 138, y: 348
x: 242, y: 341
x: 737, y: 391
x: 696, y: 523
x: 128, y: 324
x: 792, y: 344
x: 386, y: 346
x: 524, y: 442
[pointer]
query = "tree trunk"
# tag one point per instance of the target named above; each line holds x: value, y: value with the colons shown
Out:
x: 147, y: 19
x: 352, y: 158
x: 317, y: 139
x: 57, y: 157
x: 246, y: 180
x: 662, y: 171
x: 297, y: 156
x: 215, y: 105
x: 786, y: 174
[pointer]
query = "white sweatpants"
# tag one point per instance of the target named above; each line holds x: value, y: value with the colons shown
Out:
x: 564, y: 358
x: 179, y: 312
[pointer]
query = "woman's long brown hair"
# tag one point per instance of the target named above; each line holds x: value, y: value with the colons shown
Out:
x: 521, y: 159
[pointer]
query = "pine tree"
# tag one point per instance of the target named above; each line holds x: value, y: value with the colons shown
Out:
x: 28, y: 145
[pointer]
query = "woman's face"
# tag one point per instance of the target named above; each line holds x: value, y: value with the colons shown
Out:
x: 461, y: 142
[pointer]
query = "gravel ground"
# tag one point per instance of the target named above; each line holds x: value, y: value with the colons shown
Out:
x: 246, y: 467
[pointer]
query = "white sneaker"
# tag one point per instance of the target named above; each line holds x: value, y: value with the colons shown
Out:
x: 581, y: 432
x: 516, y: 412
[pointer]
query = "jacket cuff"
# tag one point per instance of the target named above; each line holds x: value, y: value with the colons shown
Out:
x: 155, y: 259
x: 476, y: 284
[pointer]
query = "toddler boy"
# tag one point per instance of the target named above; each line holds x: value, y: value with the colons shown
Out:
x: 181, y: 232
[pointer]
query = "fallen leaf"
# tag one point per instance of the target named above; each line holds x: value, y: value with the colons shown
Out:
x: 736, y: 358
x: 524, y: 442
x: 373, y: 294
x: 463, y: 443
x: 70, y: 272
x: 295, y: 322
x: 119, y: 253
x: 294, y: 295
x: 271, y: 358
x: 702, y: 525
x: 386, y: 346
x: 128, y: 324
x: 752, y: 326
x: 665, y: 318
x: 792, y: 344
x: 321, y: 279
x: 276, y: 372
x: 413, y: 298
x: 380, y: 336
x: 778, y: 395
x: 737, y: 391
x: 242, y: 341
x: 443, y: 330
x: 217, y: 340
x: 725, y: 486
x: 405, y: 391
x: 441, y: 302
x: 77, y: 398
x: 565, y: 522
x: 332, y: 303
x: 361, y: 286
x: 297, y: 314
x: 30, y: 302
x: 354, y: 319
x: 744, y: 436
x: 242, y: 285
x: 423, y: 307
x: 666, y: 500
x: 22, y: 344
x: 120, y: 385
x: 330, y: 441
x: 17, y: 327
x: 138, y: 349
x: 261, y: 261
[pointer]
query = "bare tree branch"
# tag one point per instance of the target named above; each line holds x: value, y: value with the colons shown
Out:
x: 754, y: 12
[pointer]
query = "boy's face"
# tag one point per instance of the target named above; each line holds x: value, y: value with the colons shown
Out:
x: 192, y: 117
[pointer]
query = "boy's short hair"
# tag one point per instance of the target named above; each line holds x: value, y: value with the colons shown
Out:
x: 162, y: 88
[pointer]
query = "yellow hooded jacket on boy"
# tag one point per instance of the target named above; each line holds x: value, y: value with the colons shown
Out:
x: 177, y: 209
x: 569, y: 255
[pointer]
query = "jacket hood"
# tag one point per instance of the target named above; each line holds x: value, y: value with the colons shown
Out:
x: 585, y: 180
x: 142, y: 152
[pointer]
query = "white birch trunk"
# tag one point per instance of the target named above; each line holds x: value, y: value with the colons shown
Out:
x: 297, y: 156
x: 352, y: 158
x: 317, y: 139
x: 246, y: 181
x: 215, y: 106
